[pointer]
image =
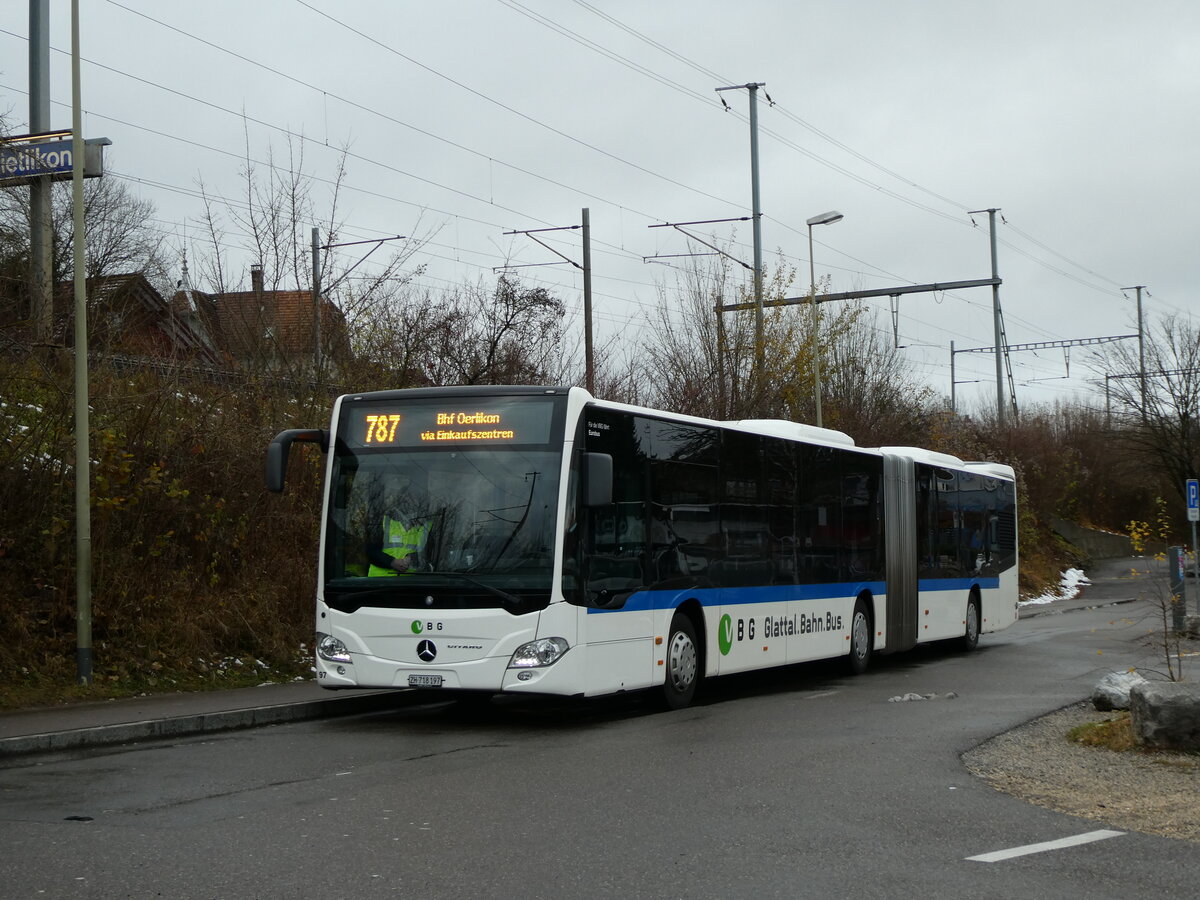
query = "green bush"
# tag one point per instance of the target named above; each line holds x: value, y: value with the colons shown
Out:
x: 195, y: 565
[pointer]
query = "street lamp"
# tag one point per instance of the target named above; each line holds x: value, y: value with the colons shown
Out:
x: 823, y: 219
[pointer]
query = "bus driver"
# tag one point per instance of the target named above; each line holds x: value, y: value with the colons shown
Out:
x: 396, y: 539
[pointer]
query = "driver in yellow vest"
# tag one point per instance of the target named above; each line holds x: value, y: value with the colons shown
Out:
x: 397, y: 547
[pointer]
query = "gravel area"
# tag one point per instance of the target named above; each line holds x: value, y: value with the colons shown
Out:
x: 1155, y: 793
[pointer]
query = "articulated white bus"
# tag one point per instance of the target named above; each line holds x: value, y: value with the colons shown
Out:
x: 538, y: 540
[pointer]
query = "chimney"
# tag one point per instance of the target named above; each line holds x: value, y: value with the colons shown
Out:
x: 256, y: 278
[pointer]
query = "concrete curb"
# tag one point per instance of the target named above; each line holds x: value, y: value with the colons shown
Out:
x: 1049, y: 609
x: 205, y: 723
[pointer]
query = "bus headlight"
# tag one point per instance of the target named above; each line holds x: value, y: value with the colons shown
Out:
x: 542, y: 652
x: 331, y: 649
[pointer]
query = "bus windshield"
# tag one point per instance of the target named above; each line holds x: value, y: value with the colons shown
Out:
x: 469, y: 522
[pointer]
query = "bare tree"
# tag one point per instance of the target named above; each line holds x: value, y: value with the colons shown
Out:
x: 700, y: 360
x: 392, y: 336
x: 869, y: 387
x: 269, y: 226
x: 1163, y: 423
x: 506, y: 335
x: 120, y: 236
x: 694, y: 359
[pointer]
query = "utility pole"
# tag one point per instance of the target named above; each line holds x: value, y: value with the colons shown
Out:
x: 953, y: 407
x: 586, y: 227
x: 1141, y: 344
x: 83, y: 468
x: 589, y: 363
x: 41, y: 235
x: 997, y: 322
x: 722, y: 341
x: 316, y: 300
x: 756, y: 216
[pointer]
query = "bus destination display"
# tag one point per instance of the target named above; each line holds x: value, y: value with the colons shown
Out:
x: 424, y: 426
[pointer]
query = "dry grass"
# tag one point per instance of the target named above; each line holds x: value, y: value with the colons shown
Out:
x: 1116, y: 734
x: 1111, y: 734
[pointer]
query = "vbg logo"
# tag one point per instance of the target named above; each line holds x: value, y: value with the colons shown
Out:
x: 725, y: 634
x: 416, y: 627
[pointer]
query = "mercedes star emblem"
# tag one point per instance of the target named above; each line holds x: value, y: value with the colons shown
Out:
x: 427, y: 651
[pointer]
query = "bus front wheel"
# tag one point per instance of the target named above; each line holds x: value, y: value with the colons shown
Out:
x: 683, y: 663
x: 860, y: 639
x: 970, y: 638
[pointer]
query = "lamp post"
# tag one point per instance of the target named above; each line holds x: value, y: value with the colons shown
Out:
x: 824, y: 219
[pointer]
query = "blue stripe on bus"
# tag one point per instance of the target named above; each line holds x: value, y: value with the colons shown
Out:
x: 778, y: 593
x: 957, y: 584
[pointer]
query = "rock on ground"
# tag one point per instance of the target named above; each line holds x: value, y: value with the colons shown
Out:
x: 1166, y: 714
x: 1113, y: 690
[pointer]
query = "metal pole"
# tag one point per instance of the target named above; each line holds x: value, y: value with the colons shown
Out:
x: 996, y: 323
x: 1141, y: 335
x: 1141, y: 350
x: 952, y: 406
x: 41, y: 235
x: 316, y: 298
x: 756, y: 213
x: 722, y: 401
x: 83, y: 467
x: 589, y: 360
x: 1176, y: 579
x: 816, y: 328
x: 1196, y: 567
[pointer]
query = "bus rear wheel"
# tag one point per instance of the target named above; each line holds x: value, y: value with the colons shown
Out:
x: 860, y: 639
x: 970, y: 638
x: 683, y: 663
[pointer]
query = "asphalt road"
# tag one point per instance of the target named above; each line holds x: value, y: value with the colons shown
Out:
x: 796, y: 783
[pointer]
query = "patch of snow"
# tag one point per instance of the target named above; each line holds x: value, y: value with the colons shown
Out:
x: 1069, y: 586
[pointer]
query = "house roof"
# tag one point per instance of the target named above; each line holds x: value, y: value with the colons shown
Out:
x: 140, y: 312
x: 243, y: 322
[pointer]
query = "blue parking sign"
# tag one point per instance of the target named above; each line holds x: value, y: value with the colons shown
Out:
x: 1193, y: 499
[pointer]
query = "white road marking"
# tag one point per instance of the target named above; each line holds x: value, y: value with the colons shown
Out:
x: 1075, y: 841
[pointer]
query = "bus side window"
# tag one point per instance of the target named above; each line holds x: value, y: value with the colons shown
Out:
x: 819, y: 515
x: 779, y: 480
x: 951, y: 561
x: 683, y: 519
x: 926, y: 524
x: 862, y: 522
x: 613, y: 557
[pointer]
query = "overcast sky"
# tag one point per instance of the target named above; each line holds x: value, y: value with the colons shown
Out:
x: 468, y: 118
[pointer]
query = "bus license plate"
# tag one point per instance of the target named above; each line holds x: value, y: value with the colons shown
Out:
x: 424, y: 680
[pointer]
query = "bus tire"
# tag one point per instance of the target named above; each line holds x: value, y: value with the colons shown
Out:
x: 859, y: 657
x: 970, y: 639
x: 682, y: 663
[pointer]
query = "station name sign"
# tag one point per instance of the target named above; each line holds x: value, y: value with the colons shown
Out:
x: 24, y: 158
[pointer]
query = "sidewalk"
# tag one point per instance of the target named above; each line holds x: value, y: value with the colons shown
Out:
x: 176, y: 715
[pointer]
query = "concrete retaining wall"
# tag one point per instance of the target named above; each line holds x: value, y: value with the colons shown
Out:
x: 1096, y: 544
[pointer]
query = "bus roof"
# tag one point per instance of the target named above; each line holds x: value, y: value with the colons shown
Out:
x: 930, y: 457
x: 796, y: 431
x: 782, y: 428
x: 995, y: 470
